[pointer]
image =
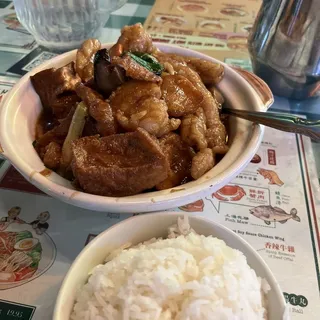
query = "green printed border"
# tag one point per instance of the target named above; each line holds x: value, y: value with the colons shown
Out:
x: 303, y: 175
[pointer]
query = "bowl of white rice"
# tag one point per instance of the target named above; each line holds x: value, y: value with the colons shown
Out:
x: 169, y: 266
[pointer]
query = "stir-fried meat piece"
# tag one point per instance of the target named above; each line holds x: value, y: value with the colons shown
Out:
x: 168, y: 68
x: 119, y: 165
x: 90, y: 128
x: 179, y: 156
x: 209, y: 104
x: 137, y: 104
x: 52, y: 155
x: 151, y: 114
x: 57, y: 134
x: 135, y: 39
x: 173, y: 59
x: 180, y: 95
x: 216, y: 95
x: 202, y: 162
x: 127, y: 96
x: 220, y: 149
x: 84, y: 64
x: 55, y: 88
x: 116, y: 50
x: 209, y: 72
x: 64, y: 104
x: 193, y: 130
x: 216, y: 136
x: 135, y: 70
x: 99, y: 110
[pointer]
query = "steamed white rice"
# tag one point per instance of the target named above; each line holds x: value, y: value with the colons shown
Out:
x: 185, y: 277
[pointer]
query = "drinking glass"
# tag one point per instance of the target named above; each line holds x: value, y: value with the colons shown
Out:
x: 62, y: 25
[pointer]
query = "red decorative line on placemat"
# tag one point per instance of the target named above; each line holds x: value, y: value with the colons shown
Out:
x: 311, y: 194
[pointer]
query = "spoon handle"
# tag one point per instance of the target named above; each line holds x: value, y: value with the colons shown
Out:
x: 280, y: 121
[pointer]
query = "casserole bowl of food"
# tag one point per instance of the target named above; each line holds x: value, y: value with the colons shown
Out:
x: 198, y: 270
x: 132, y: 126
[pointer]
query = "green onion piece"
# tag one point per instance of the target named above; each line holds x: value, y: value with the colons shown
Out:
x: 75, y: 131
x: 148, y: 61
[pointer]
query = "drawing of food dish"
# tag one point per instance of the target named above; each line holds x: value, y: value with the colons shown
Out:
x: 230, y: 193
x: 211, y: 25
x: 233, y: 12
x: 256, y: 159
x: 274, y: 214
x: 196, y: 8
x: 24, y: 255
x: 13, y: 23
x: 237, y: 42
x: 196, y: 206
x: 271, y: 175
x: 164, y: 20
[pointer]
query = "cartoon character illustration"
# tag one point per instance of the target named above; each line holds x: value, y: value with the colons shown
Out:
x: 40, y: 225
x: 196, y: 206
x: 269, y: 214
x: 271, y: 176
x: 13, y: 217
x: 230, y: 193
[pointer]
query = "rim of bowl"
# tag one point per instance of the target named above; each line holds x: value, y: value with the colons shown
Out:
x: 90, y: 246
x: 163, y: 197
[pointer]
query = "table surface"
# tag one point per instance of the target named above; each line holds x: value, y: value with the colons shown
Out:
x: 18, y: 54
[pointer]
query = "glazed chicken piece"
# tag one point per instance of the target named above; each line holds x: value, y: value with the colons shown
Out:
x: 118, y: 165
x: 52, y: 155
x: 173, y: 59
x: 193, y: 130
x: 84, y: 64
x: 151, y: 114
x: 55, y: 88
x: 216, y: 137
x: 135, y: 39
x: 127, y: 95
x: 209, y: 72
x: 57, y: 134
x: 217, y: 95
x: 181, y: 96
x: 137, y: 104
x: 179, y: 156
x: 209, y: 104
x: 135, y: 70
x: 99, y: 110
x: 202, y: 162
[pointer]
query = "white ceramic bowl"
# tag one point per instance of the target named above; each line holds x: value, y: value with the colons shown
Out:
x: 144, y: 227
x: 21, y: 108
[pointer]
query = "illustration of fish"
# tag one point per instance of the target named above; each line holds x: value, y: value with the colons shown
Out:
x: 269, y: 214
x: 271, y: 176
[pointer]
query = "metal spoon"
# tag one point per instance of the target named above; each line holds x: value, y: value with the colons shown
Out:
x: 280, y: 121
